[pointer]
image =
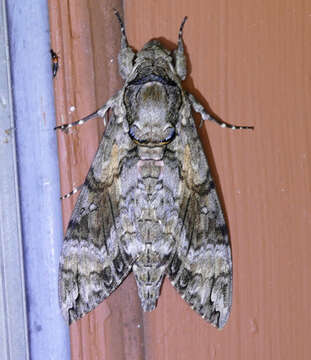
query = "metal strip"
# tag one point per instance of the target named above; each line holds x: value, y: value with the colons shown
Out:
x: 13, y: 319
x: 38, y: 175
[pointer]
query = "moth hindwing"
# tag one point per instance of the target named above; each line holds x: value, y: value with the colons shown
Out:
x: 148, y: 203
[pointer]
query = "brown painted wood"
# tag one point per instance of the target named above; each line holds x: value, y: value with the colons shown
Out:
x: 250, y: 62
x: 250, y: 65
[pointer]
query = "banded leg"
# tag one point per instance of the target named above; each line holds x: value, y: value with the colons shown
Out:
x: 74, y: 191
x: 98, y: 113
x: 205, y: 116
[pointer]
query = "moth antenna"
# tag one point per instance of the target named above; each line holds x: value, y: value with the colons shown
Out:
x: 180, y: 35
x: 180, y: 58
x: 74, y: 191
x: 124, y: 42
x: 126, y: 55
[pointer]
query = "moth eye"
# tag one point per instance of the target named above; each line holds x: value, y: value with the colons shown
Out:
x: 170, y: 134
x: 132, y: 133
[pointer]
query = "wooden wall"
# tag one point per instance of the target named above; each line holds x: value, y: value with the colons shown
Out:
x: 249, y: 64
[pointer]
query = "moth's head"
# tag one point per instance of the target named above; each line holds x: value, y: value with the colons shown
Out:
x: 153, y: 49
x: 153, y: 53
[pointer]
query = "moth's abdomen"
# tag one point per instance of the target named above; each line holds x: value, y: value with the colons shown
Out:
x: 151, y: 209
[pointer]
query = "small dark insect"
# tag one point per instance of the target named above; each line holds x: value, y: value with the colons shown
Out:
x: 55, y: 62
x: 149, y: 203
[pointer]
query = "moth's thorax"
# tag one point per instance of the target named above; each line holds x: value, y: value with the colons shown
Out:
x: 152, y: 99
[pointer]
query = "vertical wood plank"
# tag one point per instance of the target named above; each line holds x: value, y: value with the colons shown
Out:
x: 250, y: 64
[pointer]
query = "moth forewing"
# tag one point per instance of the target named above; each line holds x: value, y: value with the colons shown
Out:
x: 149, y: 203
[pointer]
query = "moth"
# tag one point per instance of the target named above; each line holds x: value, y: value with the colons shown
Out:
x: 148, y: 203
x: 55, y: 62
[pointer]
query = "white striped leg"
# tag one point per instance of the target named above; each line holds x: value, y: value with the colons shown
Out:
x: 205, y: 116
x: 74, y: 191
x: 65, y: 127
x: 99, y: 113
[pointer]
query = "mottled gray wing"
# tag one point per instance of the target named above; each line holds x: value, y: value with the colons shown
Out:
x: 93, y: 262
x: 201, y: 269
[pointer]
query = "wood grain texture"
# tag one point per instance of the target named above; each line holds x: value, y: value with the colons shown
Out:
x: 250, y: 62
x: 250, y: 65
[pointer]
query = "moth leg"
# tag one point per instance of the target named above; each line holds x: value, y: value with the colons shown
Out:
x: 101, y: 112
x: 205, y: 116
x: 74, y: 191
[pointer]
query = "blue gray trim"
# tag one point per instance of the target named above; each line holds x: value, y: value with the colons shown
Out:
x: 13, y: 319
x: 34, y: 114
